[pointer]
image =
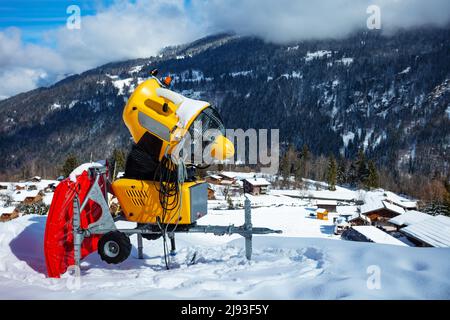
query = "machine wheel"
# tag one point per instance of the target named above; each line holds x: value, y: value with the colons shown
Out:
x: 154, y: 236
x: 151, y: 236
x: 114, y: 247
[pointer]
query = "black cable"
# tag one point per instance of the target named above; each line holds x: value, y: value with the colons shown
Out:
x: 168, y: 190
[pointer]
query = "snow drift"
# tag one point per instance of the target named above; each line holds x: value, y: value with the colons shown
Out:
x: 282, y: 268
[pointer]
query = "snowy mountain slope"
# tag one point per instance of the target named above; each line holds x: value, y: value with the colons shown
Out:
x: 389, y: 95
x: 287, y: 266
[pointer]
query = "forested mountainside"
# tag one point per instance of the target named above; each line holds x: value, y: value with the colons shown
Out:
x: 387, y: 95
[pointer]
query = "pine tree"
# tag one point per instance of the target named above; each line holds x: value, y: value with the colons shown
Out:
x: 305, y: 161
x: 372, y: 180
x: 118, y: 160
x: 362, y: 168
x: 331, y: 173
x: 341, y: 172
x: 287, y: 165
x: 69, y: 165
x: 285, y: 169
x: 298, y: 171
x: 352, y: 176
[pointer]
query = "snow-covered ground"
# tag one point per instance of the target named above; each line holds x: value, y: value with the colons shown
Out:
x: 305, y: 262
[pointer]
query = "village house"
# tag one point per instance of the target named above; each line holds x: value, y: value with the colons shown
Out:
x: 228, y: 178
x: 35, y: 179
x: 211, y: 193
x: 256, y: 186
x: 358, y: 219
x: 8, y: 213
x: 27, y: 196
x: 380, y: 211
x: 20, y: 187
x: 213, y: 179
x: 329, y: 205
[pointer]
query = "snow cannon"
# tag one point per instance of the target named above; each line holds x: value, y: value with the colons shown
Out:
x: 159, y: 190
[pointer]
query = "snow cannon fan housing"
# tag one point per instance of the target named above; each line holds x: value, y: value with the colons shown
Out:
x: 158, y: 119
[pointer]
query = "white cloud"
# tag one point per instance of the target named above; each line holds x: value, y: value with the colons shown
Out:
x: 130, y: 30
x: 287, y: 20
x: 17, y: 79
x: 122, y: 31
x: 126, y: 31
x: 24, y: 66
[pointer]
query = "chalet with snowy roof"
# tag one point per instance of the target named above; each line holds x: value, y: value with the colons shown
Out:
x: 213, y: 179
x: 359, y: 219
x: 230, y: 176
x: 27, y: 196
x: 36, y: 179
x: 431, y: 232
x: 256, y: 186
x: 329, y: 205
x: 211, y: 193
x: 380, y: 211
x: 8, y: 213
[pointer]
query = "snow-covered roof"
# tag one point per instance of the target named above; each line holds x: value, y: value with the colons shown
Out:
x: 258, y: 182
x: 346, y: 210
x: 327, y: 202
x: 393, y: 207
x: 373, y: 204
x: 215, y: 176
x: 228, y: 175
x: 378, y: 236
x: 409, y: 217
x: 21, y: 195
x: 435, y: 231
x: 400, y: 201
x: 7, y: 210
x: 339, y: 195
x: 321, y: 210
x: 358, y: 215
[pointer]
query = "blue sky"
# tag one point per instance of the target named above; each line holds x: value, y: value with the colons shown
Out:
x: 34, y: 17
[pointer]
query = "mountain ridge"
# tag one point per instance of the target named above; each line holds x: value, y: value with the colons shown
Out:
x: 386, y: 94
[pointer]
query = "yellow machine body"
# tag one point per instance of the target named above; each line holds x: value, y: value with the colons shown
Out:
x: 140, y: 202
x: 166, y: 115
x: 153, y: 109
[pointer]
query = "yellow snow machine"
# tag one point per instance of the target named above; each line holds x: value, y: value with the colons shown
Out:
x: 159, y: 190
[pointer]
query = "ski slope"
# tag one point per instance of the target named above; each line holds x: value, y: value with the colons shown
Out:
x: 305, y: 262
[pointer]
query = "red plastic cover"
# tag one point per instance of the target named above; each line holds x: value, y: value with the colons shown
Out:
x: 58, y: 239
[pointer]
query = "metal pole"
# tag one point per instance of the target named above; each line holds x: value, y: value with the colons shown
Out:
x: 77, y: 233
x: 248, y: 228
x: 173, y: 251
x: 140, y: 246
